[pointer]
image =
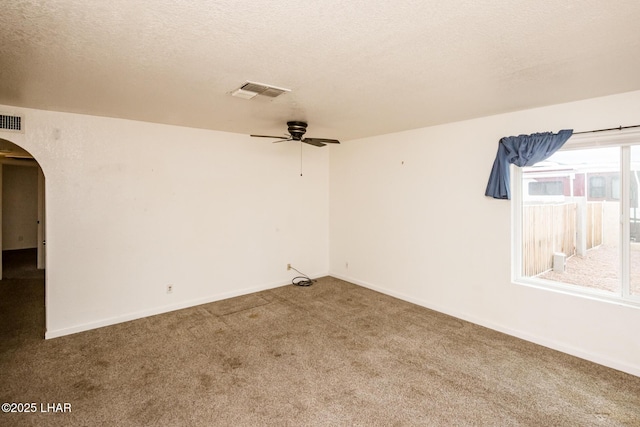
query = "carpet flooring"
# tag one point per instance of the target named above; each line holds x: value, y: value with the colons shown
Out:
x: 333, y: 354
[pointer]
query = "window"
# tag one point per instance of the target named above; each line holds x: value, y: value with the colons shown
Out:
x: 546, y: 188
x: 568, y: 232
x: 615, y: 187
x: 597, y: 187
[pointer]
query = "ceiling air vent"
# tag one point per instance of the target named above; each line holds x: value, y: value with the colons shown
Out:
x: 11, y: 123
x: 252, y: 89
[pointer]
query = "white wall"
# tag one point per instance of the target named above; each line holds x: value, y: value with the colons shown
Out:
x: 20, y: 207
x: 132, y: 207
x: 409, y: 216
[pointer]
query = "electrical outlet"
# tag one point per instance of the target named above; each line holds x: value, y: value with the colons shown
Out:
x: 169, y: 289
x: 288, y: 267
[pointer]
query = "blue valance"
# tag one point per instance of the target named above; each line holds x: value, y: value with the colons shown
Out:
x: 522, y: 150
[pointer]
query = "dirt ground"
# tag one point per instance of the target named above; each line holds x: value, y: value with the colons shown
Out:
x: 599, y: 269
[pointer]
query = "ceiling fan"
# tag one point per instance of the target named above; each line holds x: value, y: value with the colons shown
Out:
x: 296, y: 131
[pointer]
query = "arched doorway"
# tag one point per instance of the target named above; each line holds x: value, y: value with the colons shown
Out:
x: 22, y: 217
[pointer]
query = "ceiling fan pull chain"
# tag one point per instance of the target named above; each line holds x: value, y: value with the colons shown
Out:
x: 300, y: 158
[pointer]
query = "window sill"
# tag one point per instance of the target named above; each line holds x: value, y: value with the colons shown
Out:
x: 579, y: 291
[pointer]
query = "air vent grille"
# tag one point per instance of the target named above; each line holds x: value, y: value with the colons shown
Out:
x: 251, y: 89
x: 254, y: 87
x: 11, y: 123
x: 272, y: 92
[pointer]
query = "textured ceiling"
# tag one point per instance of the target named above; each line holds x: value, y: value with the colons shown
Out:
x: 355, y: 68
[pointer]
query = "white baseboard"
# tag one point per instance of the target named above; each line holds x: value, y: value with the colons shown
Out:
x: 543, y: 341
x: 162, y: 309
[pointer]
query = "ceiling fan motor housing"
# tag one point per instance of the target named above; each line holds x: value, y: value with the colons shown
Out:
x: 297, y: 130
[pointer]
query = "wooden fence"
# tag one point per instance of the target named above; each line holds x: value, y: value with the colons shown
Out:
x: 594, y: 224
x: 546, y: 229
x: 551, y: 228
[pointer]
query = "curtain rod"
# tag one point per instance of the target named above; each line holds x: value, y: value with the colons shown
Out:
x: 604, y: 130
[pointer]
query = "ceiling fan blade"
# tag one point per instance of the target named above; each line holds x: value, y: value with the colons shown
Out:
x: 313, y: 141
x: 283, y: 140
x: 321, y: 140
x: 270, y: 136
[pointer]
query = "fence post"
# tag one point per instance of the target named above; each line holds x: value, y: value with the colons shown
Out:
x: 581, y: 225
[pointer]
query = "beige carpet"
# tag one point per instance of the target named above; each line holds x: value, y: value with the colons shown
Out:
x: 333, y: 354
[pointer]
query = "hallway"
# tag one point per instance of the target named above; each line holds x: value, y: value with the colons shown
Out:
x: 21, y: 299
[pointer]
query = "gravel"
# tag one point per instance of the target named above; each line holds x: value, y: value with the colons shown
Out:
x: 599, y: 269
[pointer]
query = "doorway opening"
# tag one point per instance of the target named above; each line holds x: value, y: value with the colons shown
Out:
x: 22, y: 238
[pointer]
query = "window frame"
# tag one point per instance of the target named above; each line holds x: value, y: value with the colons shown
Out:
x: 623, y: 139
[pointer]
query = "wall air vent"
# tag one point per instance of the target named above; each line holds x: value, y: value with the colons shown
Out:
x: 11, y: 123
x: 252, y: 89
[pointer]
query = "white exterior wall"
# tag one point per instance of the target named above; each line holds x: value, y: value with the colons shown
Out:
x: 408, y: 217
x: 132, y: 207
